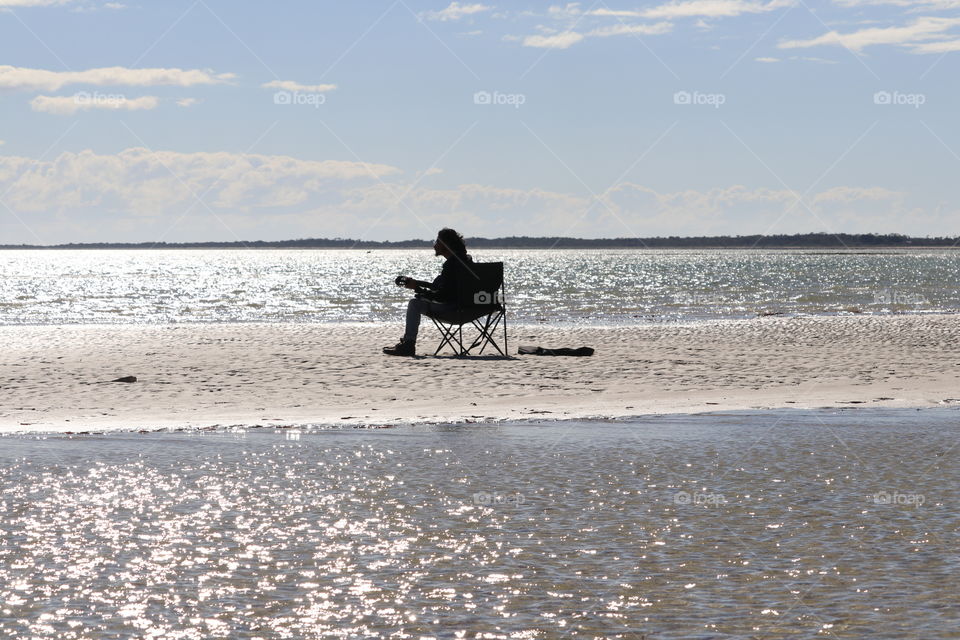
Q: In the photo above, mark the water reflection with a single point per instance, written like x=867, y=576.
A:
x=52, y=287
x=752, y=525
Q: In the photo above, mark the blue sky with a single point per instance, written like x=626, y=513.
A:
x=215, y=120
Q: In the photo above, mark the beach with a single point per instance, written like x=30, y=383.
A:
x=57, y=378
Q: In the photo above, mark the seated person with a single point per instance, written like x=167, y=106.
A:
x=433, y=298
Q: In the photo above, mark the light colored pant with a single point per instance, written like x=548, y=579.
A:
x=416, y=308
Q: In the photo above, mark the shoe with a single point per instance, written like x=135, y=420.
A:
x=403, y=348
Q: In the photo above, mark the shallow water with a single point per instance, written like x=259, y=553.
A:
x=766, y=525
x=559, y=286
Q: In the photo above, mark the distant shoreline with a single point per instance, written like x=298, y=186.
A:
x=809, y=241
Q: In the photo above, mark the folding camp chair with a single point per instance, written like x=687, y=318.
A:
x=480, y=301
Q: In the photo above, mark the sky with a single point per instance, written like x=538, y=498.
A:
x=216, y=120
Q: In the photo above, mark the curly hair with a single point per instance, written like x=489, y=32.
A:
x=452, y=240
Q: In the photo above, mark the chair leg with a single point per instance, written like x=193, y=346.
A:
x=486, y=331
x=447, y=336
x=452, y=335
x=482, y=332
x=490, y=339
x=503, y=312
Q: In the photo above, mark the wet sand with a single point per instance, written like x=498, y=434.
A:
x=56, y=377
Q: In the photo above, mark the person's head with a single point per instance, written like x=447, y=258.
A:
x=449, y=243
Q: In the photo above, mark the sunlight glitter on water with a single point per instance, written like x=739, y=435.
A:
x=757, y=525
x=559, y=286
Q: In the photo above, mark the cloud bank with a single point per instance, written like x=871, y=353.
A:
x=69, y=105
x=137, y=195
x=45, y=80
x=456, y=11
x=915, y=36
x=291, y=85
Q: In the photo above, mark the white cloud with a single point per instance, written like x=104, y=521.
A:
x=627, y=210
x=632, y=29
x=92, y=8
x=32, y=3
x=813, y=59
x=42, y=79
x=566, y=39
x=456, y=11
x=142, y=183
x=556, y=41
x=284, y=197
x=68, y=105
x=911, y=35
x=738, y=209
x=570, y=11
x=769, y=59
x=856, y=194
x=936, y=47
x=696, y=8
x=290, y=85
x=915, y=5
x=187, y=102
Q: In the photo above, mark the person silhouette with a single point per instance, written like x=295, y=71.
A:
x=433, y=298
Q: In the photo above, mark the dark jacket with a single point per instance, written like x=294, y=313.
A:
x=444, y=287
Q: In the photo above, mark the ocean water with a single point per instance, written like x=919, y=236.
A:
x=554, y=287
x=747, y=525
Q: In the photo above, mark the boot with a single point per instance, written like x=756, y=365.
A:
x=403, y=348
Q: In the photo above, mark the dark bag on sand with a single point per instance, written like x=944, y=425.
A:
x=540, y=351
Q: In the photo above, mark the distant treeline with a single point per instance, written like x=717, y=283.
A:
x=796, y=241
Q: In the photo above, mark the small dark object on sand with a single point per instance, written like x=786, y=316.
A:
x=126, y=379
x=540, y=351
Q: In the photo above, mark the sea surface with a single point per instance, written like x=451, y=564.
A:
x=552, y=287
x=833, y=524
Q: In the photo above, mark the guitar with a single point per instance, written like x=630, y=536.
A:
x=404, y=281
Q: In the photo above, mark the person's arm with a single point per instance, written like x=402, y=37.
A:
x=428, y=289
x=443, y=288
x=411, y=283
